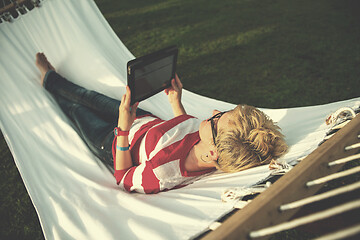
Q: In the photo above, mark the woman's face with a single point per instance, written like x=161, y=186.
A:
x=205, y=130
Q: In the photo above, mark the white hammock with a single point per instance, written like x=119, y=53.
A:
x=75, y=195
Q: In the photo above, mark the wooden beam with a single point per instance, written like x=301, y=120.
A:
x=12, y=6
x=264, y=211
x=7, y=8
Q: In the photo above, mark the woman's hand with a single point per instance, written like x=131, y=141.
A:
x=127, y=113
x=174, y=94
x=175, y=91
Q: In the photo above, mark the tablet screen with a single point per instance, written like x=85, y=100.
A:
x=153, y=77
x=152, y=73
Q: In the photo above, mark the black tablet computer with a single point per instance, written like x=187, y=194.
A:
x=152, y=73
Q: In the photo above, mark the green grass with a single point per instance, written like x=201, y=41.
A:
x=264, y=53
x=269, y=53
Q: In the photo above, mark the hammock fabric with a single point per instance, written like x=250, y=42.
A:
x=75, y=195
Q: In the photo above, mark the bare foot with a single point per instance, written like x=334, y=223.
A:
x=43, y=65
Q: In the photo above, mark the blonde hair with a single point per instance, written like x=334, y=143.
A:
x=251, y=139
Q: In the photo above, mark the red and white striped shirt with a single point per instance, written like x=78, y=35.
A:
x=158, y=150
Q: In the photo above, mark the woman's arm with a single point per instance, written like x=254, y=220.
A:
x=127, y=116
x=174, y=95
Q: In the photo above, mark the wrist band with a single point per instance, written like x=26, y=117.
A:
x=118, y=132
x=123, y=148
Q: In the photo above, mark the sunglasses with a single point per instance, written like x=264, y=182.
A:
x=213, y=124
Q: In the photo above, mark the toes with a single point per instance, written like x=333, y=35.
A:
x=43, y=63
x=38, y=55
x=41, y=58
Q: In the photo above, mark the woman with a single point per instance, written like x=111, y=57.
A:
x=150, y=155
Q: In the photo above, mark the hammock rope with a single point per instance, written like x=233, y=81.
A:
x=305, y=220
x=333, y=177
x=351, y=147
x=344, y=160
x=319, y=197
x=341, y=234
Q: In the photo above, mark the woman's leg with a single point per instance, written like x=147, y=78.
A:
x=96, y=132
x=103, y=105
x=85, y=109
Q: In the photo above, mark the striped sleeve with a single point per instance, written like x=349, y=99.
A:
x=158, y=155
x=124, y=177
x=138, y=179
